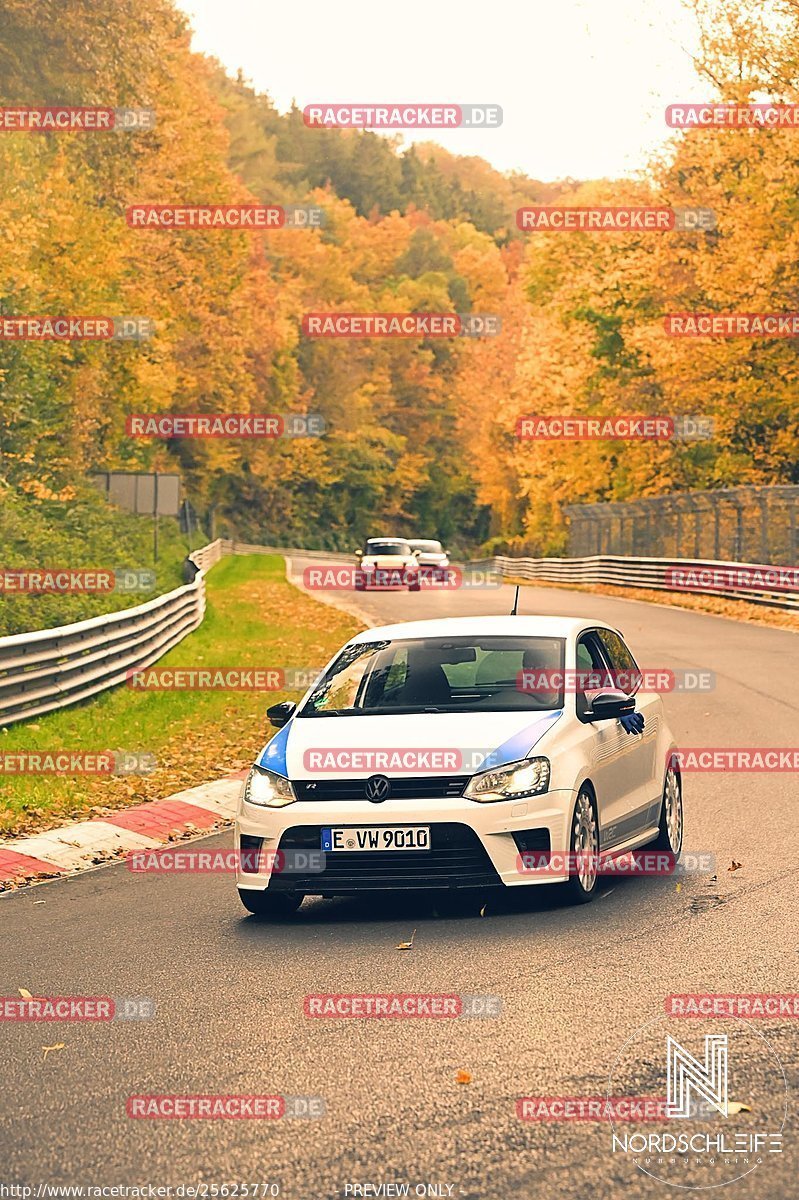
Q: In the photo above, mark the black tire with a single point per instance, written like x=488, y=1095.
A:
x=670, y=829
x=275, y=904
x=581, y=889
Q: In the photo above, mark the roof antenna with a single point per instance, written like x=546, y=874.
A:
x=514, y=612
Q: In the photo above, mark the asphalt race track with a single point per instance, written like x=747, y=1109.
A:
x=575, y=983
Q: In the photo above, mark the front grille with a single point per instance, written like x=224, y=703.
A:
x=425, y=787
x=456, y=859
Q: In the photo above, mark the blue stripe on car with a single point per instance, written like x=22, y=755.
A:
x=520, y=745
x=273, y=755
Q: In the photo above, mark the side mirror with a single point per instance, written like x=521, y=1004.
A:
x=416, y=553
x=280, y=714
x=358, y=553
x=609, y=704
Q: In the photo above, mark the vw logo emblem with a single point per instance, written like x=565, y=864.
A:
x=377, y=788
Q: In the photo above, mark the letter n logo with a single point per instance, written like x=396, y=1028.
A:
x=686, y=1074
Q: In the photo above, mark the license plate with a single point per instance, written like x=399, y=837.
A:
x=377, y=837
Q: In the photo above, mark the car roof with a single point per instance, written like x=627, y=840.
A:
x=527, y=626
x=401, y=541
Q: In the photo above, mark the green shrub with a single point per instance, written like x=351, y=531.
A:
x=86, y=532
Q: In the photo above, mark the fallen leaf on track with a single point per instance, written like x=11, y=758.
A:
x=463, y=1077
x=25, y=994
x=407, y=945
x=734, y=1107
x=57, y=1046
x=734, y=866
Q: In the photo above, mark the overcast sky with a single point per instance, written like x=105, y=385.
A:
x=583, y=83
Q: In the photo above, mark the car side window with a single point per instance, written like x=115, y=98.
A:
x=590, y=659
x=627, y=676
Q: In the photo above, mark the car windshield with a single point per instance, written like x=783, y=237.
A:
x=427, y=547
x=458, y=674
x=387, y=548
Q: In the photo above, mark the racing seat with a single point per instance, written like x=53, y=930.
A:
x=536, y=659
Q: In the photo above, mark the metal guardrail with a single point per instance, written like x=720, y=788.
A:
x=291, y=551
x=622, y=571
x=53, y=668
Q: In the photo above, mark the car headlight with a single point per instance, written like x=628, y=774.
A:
x=268, y=789
x=529, y=777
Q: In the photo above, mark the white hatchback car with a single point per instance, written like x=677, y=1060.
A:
x=430, y=554
x=435, y=754
x=387, y=563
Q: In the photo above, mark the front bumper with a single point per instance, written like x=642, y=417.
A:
x=472, y=844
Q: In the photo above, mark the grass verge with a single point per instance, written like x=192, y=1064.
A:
x=255, y=618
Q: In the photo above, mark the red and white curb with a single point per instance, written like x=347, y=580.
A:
x=85, y=844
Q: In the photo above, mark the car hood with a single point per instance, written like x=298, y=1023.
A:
x=331, y=747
